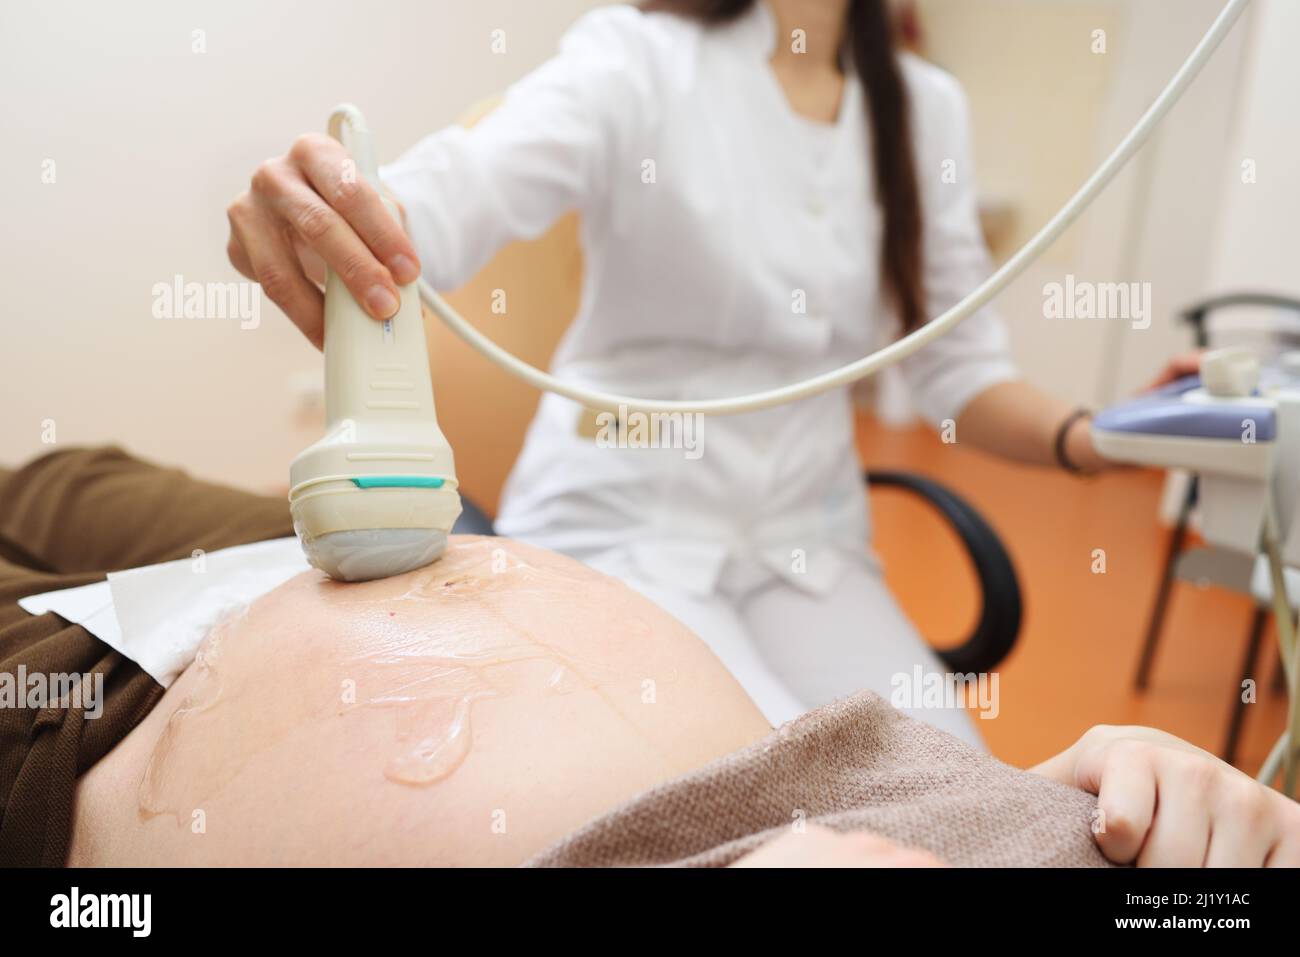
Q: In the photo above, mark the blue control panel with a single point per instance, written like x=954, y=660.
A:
x=1166, y=411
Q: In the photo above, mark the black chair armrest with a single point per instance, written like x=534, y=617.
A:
x=1000, y=615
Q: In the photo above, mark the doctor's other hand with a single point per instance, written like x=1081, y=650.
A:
x=1188, y=363
x=308, y=208
x=1078, y=441
x=1165, y=803
x=817, y=846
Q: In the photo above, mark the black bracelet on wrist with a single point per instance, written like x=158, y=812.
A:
x=1063, y=430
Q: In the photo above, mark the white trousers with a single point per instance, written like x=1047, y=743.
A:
x=793, y=651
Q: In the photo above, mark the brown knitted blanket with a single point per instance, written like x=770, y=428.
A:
x=858, y=764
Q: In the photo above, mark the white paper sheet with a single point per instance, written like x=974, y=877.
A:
x=90, y=606
x=157, y=615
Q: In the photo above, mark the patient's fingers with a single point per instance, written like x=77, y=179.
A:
x=1180, y=834
x=1167, y=803
x=1121, y=776
x=1241, y=832
x=1286, y=852
x=271, y=260
x=333, y=175
x=1283, y=818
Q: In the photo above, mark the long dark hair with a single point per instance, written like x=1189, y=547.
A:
x=869, y=48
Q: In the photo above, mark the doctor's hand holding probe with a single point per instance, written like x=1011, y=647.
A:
x=754, y=211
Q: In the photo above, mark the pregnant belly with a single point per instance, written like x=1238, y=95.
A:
x=468, y=713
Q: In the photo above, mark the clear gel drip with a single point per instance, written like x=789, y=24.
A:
x=429, y=646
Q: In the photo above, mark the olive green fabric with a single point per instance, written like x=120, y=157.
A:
x=66, y=519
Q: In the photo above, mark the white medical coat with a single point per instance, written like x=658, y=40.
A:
x=730, y=245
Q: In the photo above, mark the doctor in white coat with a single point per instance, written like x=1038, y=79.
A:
x=767, y=190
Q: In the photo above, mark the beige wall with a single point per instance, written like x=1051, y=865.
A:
x=1036, y=93
x=151, y=141
x=1047, y=110
x=1160, y=224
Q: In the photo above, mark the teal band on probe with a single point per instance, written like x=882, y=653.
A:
x=398, y=481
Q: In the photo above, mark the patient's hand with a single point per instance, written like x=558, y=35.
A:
x=821, y=847
x=1166, y=803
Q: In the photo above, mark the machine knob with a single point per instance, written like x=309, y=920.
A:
x=1230, y=373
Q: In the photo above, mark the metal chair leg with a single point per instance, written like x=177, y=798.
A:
x=1156, y=623
x=1247, y=667
x=1279, y=676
